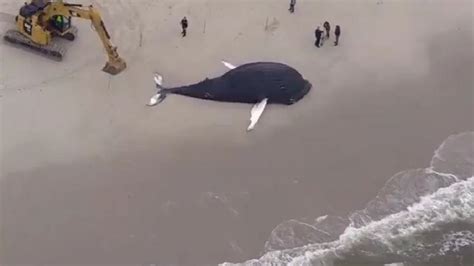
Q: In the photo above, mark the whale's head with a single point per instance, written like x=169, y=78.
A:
x=292, y=94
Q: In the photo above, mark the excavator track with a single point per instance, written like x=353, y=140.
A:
x=54, y=50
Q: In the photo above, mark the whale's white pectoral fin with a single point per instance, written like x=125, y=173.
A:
x=228, y=65
x=257, y=111
x=154, y=100
x=158, y=79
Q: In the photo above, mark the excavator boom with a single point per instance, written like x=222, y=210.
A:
x=115, y=63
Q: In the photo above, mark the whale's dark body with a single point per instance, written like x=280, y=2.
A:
x=250, y=83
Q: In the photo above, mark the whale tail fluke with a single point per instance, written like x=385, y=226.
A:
x=156, y=99
x=161, y=91
x=158, y=79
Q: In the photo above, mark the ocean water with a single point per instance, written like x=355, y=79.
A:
x=420, y=217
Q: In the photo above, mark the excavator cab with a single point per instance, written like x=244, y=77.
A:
x=61, y=26
x=60, y=23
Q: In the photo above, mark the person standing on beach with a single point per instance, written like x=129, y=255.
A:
x=337, y=32
x=292, y=6
x=327, y=27
x=318, y=33
x=184, y=26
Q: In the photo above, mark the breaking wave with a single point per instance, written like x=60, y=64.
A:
x=420, y=216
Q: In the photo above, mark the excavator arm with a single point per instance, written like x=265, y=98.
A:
x=115, y=63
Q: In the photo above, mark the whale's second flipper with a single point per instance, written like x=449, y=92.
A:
x=257, y=111
x=228, y=65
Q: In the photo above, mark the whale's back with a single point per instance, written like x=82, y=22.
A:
x=278, y=82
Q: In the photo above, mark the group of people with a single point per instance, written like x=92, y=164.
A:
x=321, y=37
x=319, y=34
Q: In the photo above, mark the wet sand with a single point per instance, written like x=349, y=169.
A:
x=90, y=175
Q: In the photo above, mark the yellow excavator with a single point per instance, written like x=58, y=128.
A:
x=40, y=22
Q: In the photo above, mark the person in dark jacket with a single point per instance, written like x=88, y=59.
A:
x=327, y=27
x=337, y=32
x=318, y=33
x=184, y=26
x=292, y=6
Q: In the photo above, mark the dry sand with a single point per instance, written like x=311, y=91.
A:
x=90, y=175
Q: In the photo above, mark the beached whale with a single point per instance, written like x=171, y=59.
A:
x=259, y=83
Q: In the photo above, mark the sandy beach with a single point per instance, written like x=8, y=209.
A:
x=90, y=175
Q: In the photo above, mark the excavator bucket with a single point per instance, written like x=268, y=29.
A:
x=114, y=67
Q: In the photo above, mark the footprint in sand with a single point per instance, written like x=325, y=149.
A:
x=272, y=26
